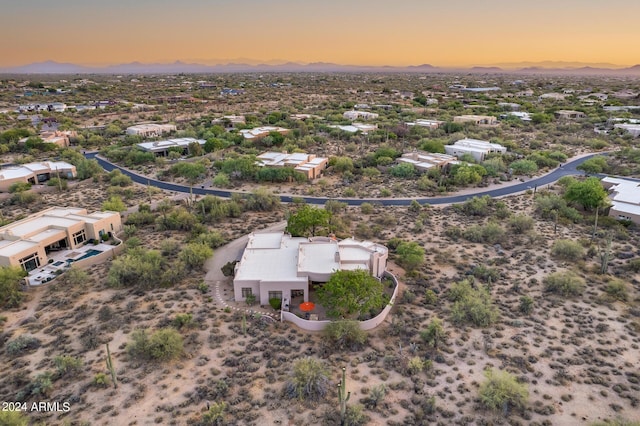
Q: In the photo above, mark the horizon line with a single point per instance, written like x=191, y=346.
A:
x=279, y=62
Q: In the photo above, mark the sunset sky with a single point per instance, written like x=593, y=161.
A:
x=367, y=32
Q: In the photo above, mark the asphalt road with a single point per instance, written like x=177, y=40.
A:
x=565, y=170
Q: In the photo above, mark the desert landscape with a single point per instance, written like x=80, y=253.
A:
x=518, y=309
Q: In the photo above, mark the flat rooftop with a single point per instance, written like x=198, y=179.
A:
x=318, y=257
x=261, y=262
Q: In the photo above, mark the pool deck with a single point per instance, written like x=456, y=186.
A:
x=61, y=259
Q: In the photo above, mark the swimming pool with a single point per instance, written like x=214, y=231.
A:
x=88, y=253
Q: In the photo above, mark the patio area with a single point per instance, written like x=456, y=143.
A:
x=59, y=261
x=317, y=313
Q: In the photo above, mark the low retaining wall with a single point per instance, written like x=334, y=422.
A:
x=100, y=257
x=367, y=325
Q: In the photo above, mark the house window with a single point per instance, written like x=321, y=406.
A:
x=79, y=237
x=275, y=295
x=30, y=263
x=246, y=291
x=112, y=226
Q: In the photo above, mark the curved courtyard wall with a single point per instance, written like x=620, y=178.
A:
x=367, y=325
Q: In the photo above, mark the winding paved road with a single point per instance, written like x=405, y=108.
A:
x=569, y=168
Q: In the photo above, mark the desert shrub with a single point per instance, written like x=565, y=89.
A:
x=430, y=297
x=19, y=187
x=376, y=395
x=13, y=418
x=59, y=183
x=521, y=223
x=415, y=365
x=472, y=306
x=11, y=278
x=261, y=200
x=617, y=290
x=42, y=384
x=354, y=416
x=491, y=233
x=486, y=274
x=212, y=239
x=501, y=391
x=116, y=178
x=476, y=206
x=66, y=364
x=366, y=208
x=565, y=283
x=141, y=218
x=434, y=335
x=567, y=250
x=163, y=345
x=453, y=232
x=634, y=265
x=74, y=276
x=136, y=267
x=24, y=198
x=221, y=180
x=526, y=305
x=275, y=303
x=22, y=344
x=215, y=414
x=308, y=380
x=183, y=321
x=616, y=422
x=100, y=380
x=346, y=335
x=550, y=205
x=250, y=299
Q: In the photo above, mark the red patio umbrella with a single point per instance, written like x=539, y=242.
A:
x=307, y=306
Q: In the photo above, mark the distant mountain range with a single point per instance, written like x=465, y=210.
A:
x=52, y=67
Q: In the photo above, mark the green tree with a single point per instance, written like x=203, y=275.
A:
x=307, y=220
x=589, y=193
x=501, y=391
x=342, y=164
x=86, y=169
x=524, y=167
x=351, y=292
x=10, y=279
x=309, y=380
x=467, y=174
x=431, y=145
x=594, y=165
x=410, y=255
x=434, y=335
x=114, y=203
x=136, y=267
x=403, y=170
x=194, y=255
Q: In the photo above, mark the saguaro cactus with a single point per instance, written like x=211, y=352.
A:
x=343, y=396
x=112, y=370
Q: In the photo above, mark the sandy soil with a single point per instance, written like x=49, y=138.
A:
x=580, y=356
